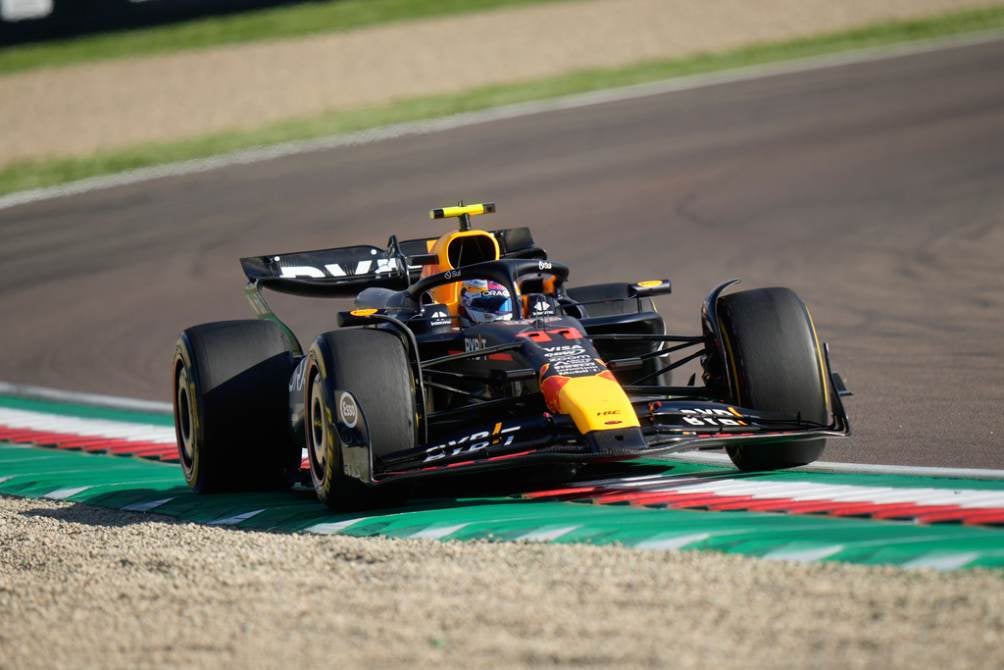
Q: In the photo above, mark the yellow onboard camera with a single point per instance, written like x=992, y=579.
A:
x=463, y=212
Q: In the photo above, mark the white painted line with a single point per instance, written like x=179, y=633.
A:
x=942, y=561
x=760, y=489
x=576, y=101
x=86, y=427
x=672, y=542
x=547, y=534
x=437, y=533
x=804, y=555
x=638, y=482
x=907, y=470
x=768, y=489
x=854, y=468
x=94, y=399
x=236, y=519
x=63, y=494
x=333, y=527
x=147, y=505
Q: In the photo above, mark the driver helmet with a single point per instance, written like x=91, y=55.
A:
x=483, y=301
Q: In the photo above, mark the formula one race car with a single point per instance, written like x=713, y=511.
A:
x=469, y=352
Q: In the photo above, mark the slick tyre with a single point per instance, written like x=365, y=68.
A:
x=231, y=411
x=773, y=357
x=373, y=366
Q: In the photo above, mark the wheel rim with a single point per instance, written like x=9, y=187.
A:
x=316, y=432
x=185, y=419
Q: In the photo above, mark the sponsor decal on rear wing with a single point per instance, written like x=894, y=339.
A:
x=342, y=271
x=336, y=263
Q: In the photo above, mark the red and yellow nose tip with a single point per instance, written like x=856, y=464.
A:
x=595, y=402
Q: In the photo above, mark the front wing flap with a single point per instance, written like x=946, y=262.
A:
x=668, y=426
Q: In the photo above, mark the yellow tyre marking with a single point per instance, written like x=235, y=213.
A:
x=823, y=372
x=732, y=360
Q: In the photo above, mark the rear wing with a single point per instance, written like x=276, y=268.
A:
x=339, y=272
x=343, y=272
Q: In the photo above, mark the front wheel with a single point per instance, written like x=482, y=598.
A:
x=775, y=364
x=371, y=365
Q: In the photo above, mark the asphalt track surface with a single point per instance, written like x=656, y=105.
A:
x=874, y=190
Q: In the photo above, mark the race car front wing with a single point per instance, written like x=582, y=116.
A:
x=668, y=426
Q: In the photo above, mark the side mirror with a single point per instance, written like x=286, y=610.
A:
x=646, y=289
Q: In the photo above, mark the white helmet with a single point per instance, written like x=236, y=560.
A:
x=483, y=301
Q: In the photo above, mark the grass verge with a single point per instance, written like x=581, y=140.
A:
x=275, y=23
x=41, y=173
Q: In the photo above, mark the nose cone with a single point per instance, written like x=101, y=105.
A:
x=594, y=402
x=620, y=442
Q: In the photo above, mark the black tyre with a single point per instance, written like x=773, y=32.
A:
x=373, y=366
x=604, y=300
x=774, y=361
x=231, y=407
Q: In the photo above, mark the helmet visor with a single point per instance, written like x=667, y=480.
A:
x=491, y=304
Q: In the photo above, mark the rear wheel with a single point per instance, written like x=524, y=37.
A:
x=231, y=407
x=372, y=365
x=775, y=364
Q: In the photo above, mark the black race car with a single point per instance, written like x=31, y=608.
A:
x=413, y=384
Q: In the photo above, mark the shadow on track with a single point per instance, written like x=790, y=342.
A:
x=298, y=509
